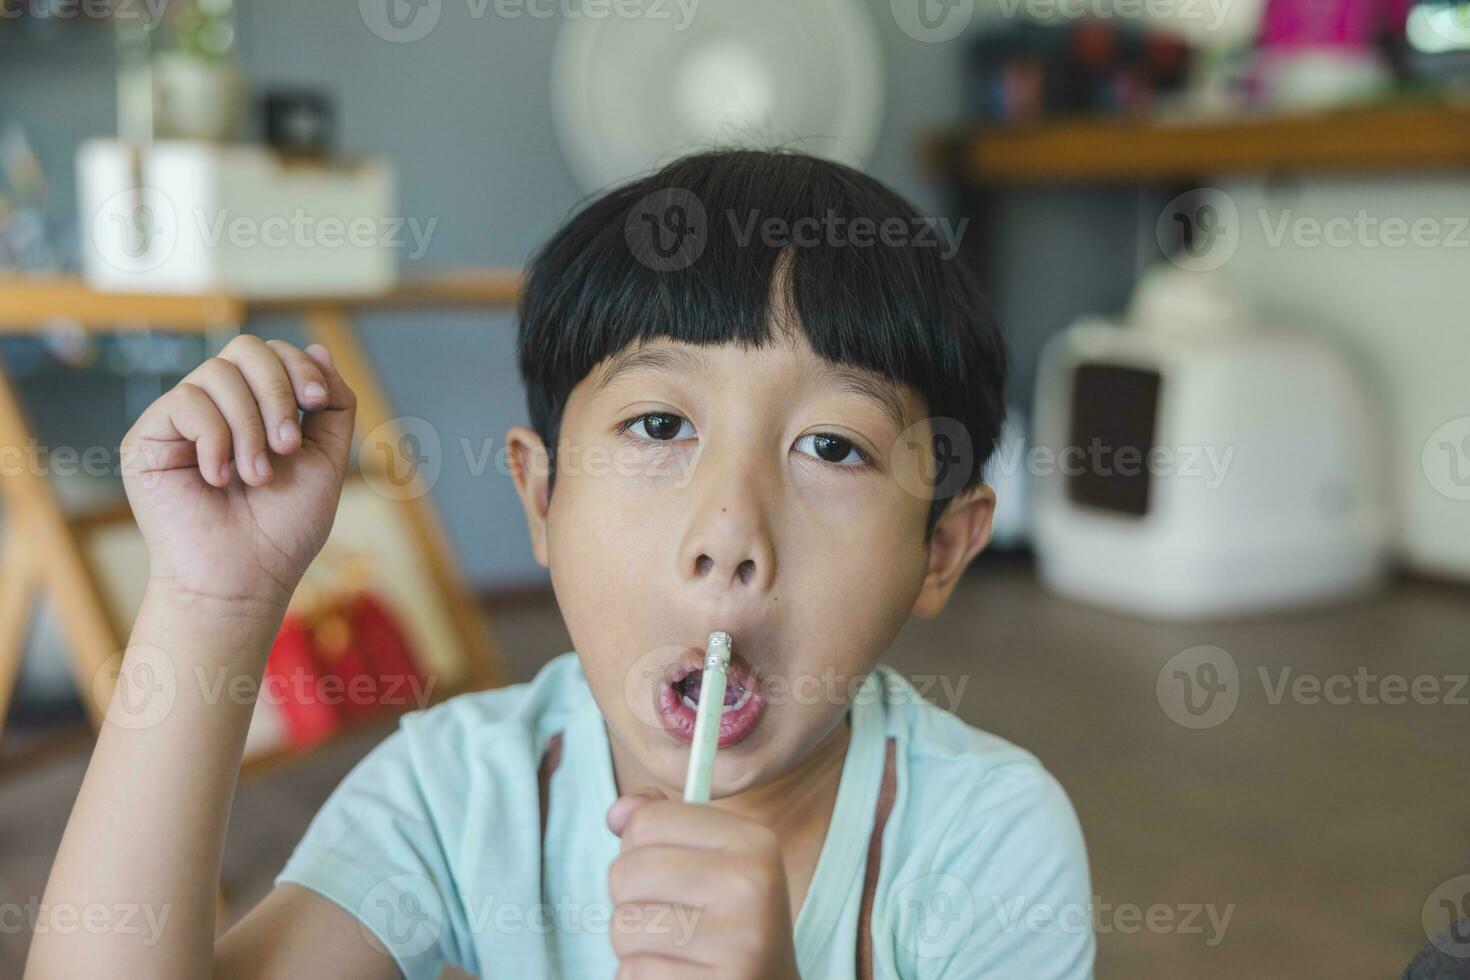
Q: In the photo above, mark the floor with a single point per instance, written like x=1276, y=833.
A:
x=1320, y=826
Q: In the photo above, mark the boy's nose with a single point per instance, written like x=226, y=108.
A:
x=744, y=571
x=728, y=552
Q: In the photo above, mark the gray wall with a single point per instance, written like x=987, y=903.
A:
x=465, y=112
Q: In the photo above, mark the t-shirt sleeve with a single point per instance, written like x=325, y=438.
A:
x=375, y=850
x=1010, y=892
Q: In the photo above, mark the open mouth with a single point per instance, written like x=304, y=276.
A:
x=688, y=688
x=677, y=700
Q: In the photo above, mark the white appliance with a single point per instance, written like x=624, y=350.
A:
x=180, y=216
x=1396, y=302
x=630, y=93
x=1194, y=464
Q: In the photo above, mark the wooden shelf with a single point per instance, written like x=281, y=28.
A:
x=1406, y=137
x=29, y=304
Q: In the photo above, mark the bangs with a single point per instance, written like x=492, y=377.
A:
x=712, y=248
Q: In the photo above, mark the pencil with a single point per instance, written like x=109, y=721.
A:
x=707, y=718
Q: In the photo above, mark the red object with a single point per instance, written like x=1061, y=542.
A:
x=386, y=648
x=291, y=685
x=317, y=667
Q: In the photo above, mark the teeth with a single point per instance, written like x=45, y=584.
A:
x=739, y=702
x=693, y=704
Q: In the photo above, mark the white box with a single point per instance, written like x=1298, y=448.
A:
x=188, y=217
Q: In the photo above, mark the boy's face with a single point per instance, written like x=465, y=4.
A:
x=760, y=492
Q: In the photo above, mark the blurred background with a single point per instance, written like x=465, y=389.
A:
x=1228, y=242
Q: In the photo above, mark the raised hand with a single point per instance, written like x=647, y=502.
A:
x=234, y=495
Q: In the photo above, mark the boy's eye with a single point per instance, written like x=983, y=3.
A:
x=831, y=449
x=659, y=426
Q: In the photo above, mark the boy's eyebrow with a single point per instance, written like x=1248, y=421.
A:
x=865, y=385
x=650, y=359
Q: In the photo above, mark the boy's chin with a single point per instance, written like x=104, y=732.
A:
x=737, y=768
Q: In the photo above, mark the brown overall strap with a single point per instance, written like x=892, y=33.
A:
x=887, y=790
x=550, y=759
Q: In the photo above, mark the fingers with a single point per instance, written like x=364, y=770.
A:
x=648, y=966
x=307, y=380
x=623, y=807
x=664, y=873
x=689, y=825
x=193, y=416
x=256, y=390
x=222, y=381
x=259, y=365
x=329, y=425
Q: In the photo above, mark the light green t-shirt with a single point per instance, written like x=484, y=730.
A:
x=434, y=843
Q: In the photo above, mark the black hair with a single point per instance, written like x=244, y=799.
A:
x=688, y=253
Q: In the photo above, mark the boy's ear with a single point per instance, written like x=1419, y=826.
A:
x=530, y=469
x=962, y=532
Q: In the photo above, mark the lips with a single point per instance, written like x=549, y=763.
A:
x=677, y=699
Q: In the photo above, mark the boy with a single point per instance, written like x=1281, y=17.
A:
x=760, y=402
